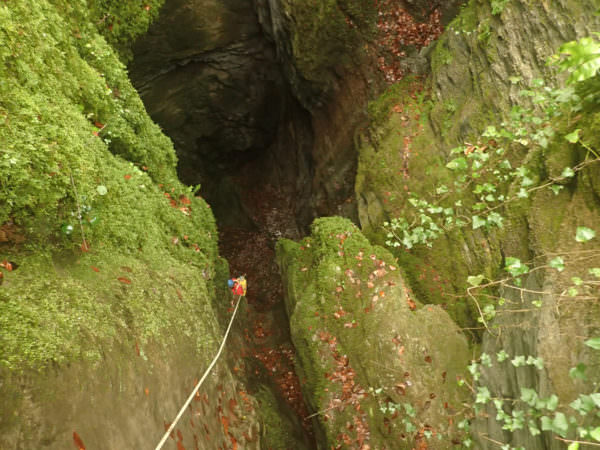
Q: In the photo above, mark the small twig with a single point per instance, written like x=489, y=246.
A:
x=479, y=309
x=79, y=216
x=324, y=411
x=569, y=441
x=501, y=444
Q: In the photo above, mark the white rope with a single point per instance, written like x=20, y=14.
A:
x=189, y=400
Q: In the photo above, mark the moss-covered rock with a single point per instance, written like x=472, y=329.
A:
x=317, y=40
x=371, y=355
x=476, y=67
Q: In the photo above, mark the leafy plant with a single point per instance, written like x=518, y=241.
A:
x=498, y=6
x=581, y=59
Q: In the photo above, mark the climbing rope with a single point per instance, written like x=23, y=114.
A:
x=189, y=400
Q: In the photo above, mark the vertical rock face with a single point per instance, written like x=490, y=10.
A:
x=209, y=78
x=261, y=92
x=476, y=67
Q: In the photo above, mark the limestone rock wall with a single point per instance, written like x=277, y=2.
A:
x=415, y=125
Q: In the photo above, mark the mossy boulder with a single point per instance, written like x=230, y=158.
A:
x=371, y=355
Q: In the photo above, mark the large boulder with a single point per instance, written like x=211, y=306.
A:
x=379, y=368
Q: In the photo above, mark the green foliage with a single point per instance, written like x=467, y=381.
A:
x=485, y=169
x=580, y=58
x=498, y=6
x=584, y=234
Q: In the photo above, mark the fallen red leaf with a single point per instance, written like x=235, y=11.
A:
x=124, y=280
x=127, y=177
x=78, y=441
x=225, y=422
x=95, y=269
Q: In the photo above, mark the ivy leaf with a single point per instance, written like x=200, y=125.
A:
x=529, y=396
x=556, y=188
x=475, y=280
x=558, y=263
x=552, y=402
x=578, y=372
x=496, y=219
x=573, y=446
x=518, y=361
x=101, y=190
x=478, y=222
x=595, y=271
x=584, y=234
x=573, y=137
x=560, y=425
x=490, y=132
x=458, y=164
x=526, y=181
x=483, y=395
x=567, y=173
x=593, y=343
x=501, y=355
x=595, y=433
x=515, y=267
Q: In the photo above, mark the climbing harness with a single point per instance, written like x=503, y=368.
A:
x=189, y=400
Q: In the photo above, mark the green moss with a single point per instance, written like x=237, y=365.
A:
x=279, y=430
x=327, y=33
x=87, y=179
x=347, y=297
x=121, y=22
x=467, y=19
x=441, y=55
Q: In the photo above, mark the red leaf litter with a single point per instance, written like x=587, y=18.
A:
x=251, y=252
x=397, y=32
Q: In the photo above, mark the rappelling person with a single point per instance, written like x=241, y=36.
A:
x=238, y=285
